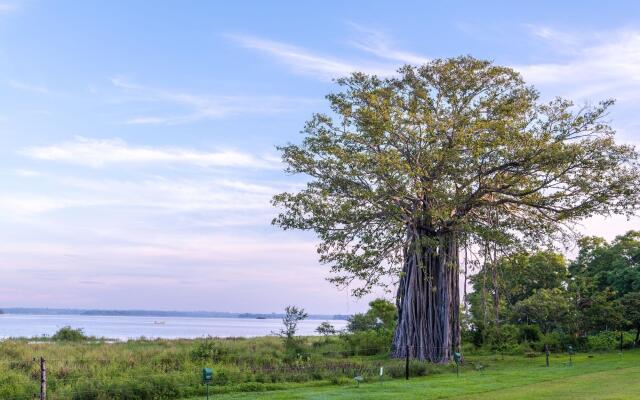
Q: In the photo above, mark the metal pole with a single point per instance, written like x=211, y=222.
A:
x=406, y=365
x=207, y=390
x=546, y=352
x=43, y=379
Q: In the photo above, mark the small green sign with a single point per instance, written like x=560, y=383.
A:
x=207, y=375
x=570, y=349
x=457, y=357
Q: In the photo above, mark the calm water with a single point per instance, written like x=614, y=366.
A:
x=12, y=325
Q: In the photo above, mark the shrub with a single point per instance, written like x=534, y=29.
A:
x=367, y=343
x=530, y=333
x=207, y=350
x=503, y=339
x=69, y=334
x=15, y=386
x=609, y=340
x=557, y=342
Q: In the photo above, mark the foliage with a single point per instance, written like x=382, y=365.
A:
x=555, y=307
x=382, y=314
x=614, y=266
x=502, y=338
x=600, y=312
x=369, y=342
x=69, y=334
x=292, y=316
x=530, y=333
x=519, y=276
x=326, y=329
x=443, y=143
x=361, y=322
x=609, y=340
x=15, y=385
x=550, y=309
x=631, y=308
x=207, y=350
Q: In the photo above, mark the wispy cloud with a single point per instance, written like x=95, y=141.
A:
x=603, y=64
x=14, y=204
x=28, y=87
x=554, y=36
x=379, y=44
x=387, y=55
x=200, y=107
x=226, y=202
x=100, y=152
x=304, y=61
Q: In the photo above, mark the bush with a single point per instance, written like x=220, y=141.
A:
x=610, y=340
x=558, y=342
x=207, y=350
x=530, y=333
x=416, y=368
x=15, y=386
x=69, y=334
x=368, y=343
x=503, y=339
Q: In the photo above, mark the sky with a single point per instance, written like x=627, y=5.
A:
x=138, y=139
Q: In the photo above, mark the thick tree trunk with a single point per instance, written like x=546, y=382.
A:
x=429, y=300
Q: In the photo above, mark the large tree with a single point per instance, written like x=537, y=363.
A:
x=405, y=169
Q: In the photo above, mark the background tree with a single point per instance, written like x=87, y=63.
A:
x=519, y=275
x=384, y=312
x=631, y=309
x=599, y=311
x=406, y=168
x=550, y=309
x=326, y=329
x=381, y=315
x=615, y=265
x=292, y=316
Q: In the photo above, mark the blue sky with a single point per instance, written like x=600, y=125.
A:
x=137, y=139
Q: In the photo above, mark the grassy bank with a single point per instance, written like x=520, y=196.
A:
x=264, y=368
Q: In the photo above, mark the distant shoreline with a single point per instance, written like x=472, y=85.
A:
x=156, y=313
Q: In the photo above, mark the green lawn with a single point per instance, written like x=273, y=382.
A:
x=603, y=376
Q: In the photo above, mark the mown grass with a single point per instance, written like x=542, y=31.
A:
x=601, y=376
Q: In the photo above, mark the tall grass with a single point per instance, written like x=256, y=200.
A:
x=170, y=369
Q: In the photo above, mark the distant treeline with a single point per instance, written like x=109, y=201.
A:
x=155, y=313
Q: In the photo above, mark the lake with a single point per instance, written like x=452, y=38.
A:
x=131, y=327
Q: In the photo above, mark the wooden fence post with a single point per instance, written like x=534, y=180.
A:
x=43, y=379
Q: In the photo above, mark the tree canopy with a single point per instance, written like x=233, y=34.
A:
x=460, y=143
